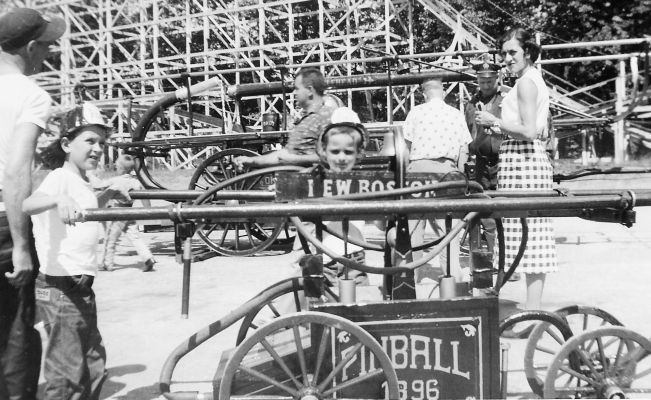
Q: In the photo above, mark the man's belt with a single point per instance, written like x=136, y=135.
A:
x=66, y=283
x=441, y=160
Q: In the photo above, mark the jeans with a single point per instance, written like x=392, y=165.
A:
x=20, y=343
x=75, y=357
x=114, y=230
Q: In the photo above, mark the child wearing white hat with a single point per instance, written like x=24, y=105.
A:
x=67, y=252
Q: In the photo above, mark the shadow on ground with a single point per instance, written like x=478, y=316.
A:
x=150, y=392
x=162, y=247
x=111, y=386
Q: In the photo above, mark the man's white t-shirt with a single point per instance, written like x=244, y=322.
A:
x=65, y=250
x=21, y=101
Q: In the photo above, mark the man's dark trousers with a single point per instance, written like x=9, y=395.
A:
x=20, y=343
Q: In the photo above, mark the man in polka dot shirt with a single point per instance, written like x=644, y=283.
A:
x=437, y=138
x=436, y=132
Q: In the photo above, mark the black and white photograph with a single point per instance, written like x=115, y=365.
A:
x=325, y=199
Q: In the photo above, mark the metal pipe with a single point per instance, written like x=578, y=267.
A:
x=348, y=82
x=504, y=368
x=224, y=71
x=561, y=192
x=264, y=195
x=615, y=42
x=589, y=58
x=187, y=265
x=540, y=207
x=207, y=140
x=188, y=195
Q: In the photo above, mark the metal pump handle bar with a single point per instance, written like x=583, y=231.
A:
x=564, y=206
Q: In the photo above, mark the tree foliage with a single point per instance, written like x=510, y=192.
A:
x=567, y=21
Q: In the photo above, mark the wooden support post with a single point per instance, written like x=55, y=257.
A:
x=618, y=127
x=584, y=147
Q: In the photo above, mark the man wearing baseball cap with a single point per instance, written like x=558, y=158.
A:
x=25, y=39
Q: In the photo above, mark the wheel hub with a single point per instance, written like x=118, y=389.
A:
x=612, y=391
x=309, y=393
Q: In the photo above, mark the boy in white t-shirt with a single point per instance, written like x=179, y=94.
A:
x=75, y=356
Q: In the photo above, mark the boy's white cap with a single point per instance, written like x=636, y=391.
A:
x=85, y=115
x=344, y=114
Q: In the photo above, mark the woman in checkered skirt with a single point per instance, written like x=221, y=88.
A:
x=523, y=162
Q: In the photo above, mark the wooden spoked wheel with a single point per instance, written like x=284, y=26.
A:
x=610, y=362
x=309, y=356
x=545, y=341
x=289, y=301
x=514, y=330
x=154, y=158
x=240, y=238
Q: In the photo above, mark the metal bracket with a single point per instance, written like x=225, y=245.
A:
x=625, y=217
x=184, y=230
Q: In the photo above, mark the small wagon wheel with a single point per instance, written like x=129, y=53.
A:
x=291, y=357
x=556, y=325
x=545, y=340
x=243, y=238
x=613, y=362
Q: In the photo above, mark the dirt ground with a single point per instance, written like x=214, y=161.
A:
x=603, y=265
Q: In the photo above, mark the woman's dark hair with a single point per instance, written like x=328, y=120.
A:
x=526, y=40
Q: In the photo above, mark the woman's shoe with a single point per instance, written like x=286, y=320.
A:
x=515, y=277
x=149, y=265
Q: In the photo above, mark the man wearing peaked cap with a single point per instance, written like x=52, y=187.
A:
x=25, y=39
x=21, y=25
x=486, y=69
x=486, y=140
x=485, y=145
